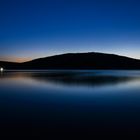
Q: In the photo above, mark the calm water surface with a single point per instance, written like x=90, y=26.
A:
x=70, y=101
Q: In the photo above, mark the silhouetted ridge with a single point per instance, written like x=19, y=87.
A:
x=80, y=61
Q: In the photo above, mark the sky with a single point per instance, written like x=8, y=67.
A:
x=38, y=28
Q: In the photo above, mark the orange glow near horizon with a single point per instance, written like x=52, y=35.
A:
x=16, y=59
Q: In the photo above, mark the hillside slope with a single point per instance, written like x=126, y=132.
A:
x=77, y=61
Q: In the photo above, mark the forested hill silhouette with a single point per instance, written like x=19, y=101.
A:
x=90, y=60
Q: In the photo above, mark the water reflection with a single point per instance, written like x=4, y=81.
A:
x=61, y=101
x=75, y=78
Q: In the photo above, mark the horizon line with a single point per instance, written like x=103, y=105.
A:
x=67, y=53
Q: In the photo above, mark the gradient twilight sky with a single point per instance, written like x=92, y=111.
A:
x=37, y=28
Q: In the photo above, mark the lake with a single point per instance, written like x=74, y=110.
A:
x=73, y=101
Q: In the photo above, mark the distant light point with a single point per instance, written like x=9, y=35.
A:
x=1, y=69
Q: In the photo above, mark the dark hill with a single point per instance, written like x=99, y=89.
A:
x=9, y=65
x=78, y=61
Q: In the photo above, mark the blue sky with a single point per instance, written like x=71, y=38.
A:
x=37, y=28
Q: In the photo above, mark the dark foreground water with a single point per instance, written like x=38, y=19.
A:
x=93, y=102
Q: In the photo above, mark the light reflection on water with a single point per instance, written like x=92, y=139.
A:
x=71, y=100
x=74, y=78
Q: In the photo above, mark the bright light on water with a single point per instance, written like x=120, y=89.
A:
x=1, y=69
